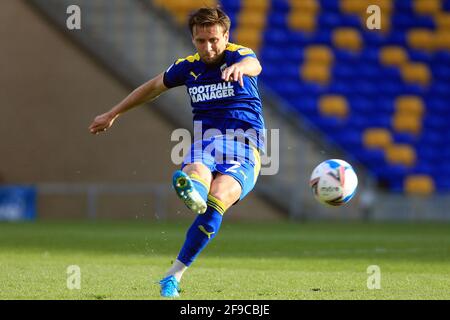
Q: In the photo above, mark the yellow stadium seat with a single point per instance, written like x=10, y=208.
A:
x=427, y=7
x=347, y=38
x=386, y=6
x=358, y=7
x=422, y=39
x=181, y=9
x=402, y=122
x=302, y=21
x=310, y=6
x=385, y=23
x=260, y=5
x=443, y=21
x=315, y=72
x=408, y=104
x=250, y=38
x=252, y=19
x=333, y=106
x=416, y=73
x=377, y=138
x=401, y=154
x=442, y=40
x=393, y=56
x=319, y=53
x=420, y=184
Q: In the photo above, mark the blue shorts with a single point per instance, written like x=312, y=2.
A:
x=234, y=158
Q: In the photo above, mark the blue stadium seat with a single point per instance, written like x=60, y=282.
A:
x=351, y=21
x=281, y=6
x=231, y=6
x=329, y=20
x=372, y=38
x=404, y=22
x=446, y=5
x=276, y=37
x=435, y=122
x=403, y=138
x=277, y=20
x=330, y=5
x=419, y=56
x=396, y=38
x=341, y=88
x=322, y=37
x=437, y=106
x=405, y=6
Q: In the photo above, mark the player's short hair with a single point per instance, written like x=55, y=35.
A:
x=205, y=17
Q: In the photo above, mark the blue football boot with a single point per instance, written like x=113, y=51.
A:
x=186, y=191
x=169, y=287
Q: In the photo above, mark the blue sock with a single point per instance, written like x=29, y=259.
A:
x=204, y=229
x=200, y=185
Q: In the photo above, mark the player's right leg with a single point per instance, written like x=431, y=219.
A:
x=192, y=186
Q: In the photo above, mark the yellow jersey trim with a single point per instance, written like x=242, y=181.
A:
x=193, y=58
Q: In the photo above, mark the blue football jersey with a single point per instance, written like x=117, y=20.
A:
x=219, y=104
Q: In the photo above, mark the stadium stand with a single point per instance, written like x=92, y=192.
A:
x=382, y=95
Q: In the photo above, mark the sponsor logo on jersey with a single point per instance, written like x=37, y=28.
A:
x=211, y=91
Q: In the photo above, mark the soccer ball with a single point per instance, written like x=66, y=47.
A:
x=333, y=182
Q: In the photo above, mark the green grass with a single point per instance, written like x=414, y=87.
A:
x=124, y=260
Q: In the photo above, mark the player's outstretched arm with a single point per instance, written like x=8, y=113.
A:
x=249, y=66
x=146, y=92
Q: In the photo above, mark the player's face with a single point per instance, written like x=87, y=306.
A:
x=210, y=42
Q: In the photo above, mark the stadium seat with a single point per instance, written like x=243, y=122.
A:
x=333, y=106
x=377, y=138
x=260, y=5
x=319, y=53
x=303, y=15
x=416, y=73
x=347, y=38
x=357, y=7
x=401, y=154
x=248, y=37
x=442, y=40
x=443, y=21
x=427, y=7
x=404, y=138
x=393, y=56
x=422, y=39
x=302, y=21
x=407, y=123
x=181, y=9
x=419, y=185
x=310, y=6
x=315, y=72
x=252, y=20
x=412, y=105
x=386, y=6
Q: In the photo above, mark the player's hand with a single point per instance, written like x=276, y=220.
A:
x=234, y=73
x=102, y=122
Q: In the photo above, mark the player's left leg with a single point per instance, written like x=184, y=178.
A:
x=225, y=191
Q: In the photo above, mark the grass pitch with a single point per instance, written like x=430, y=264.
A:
x=124, y=260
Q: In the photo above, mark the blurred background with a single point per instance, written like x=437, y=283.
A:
x=378, y=99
